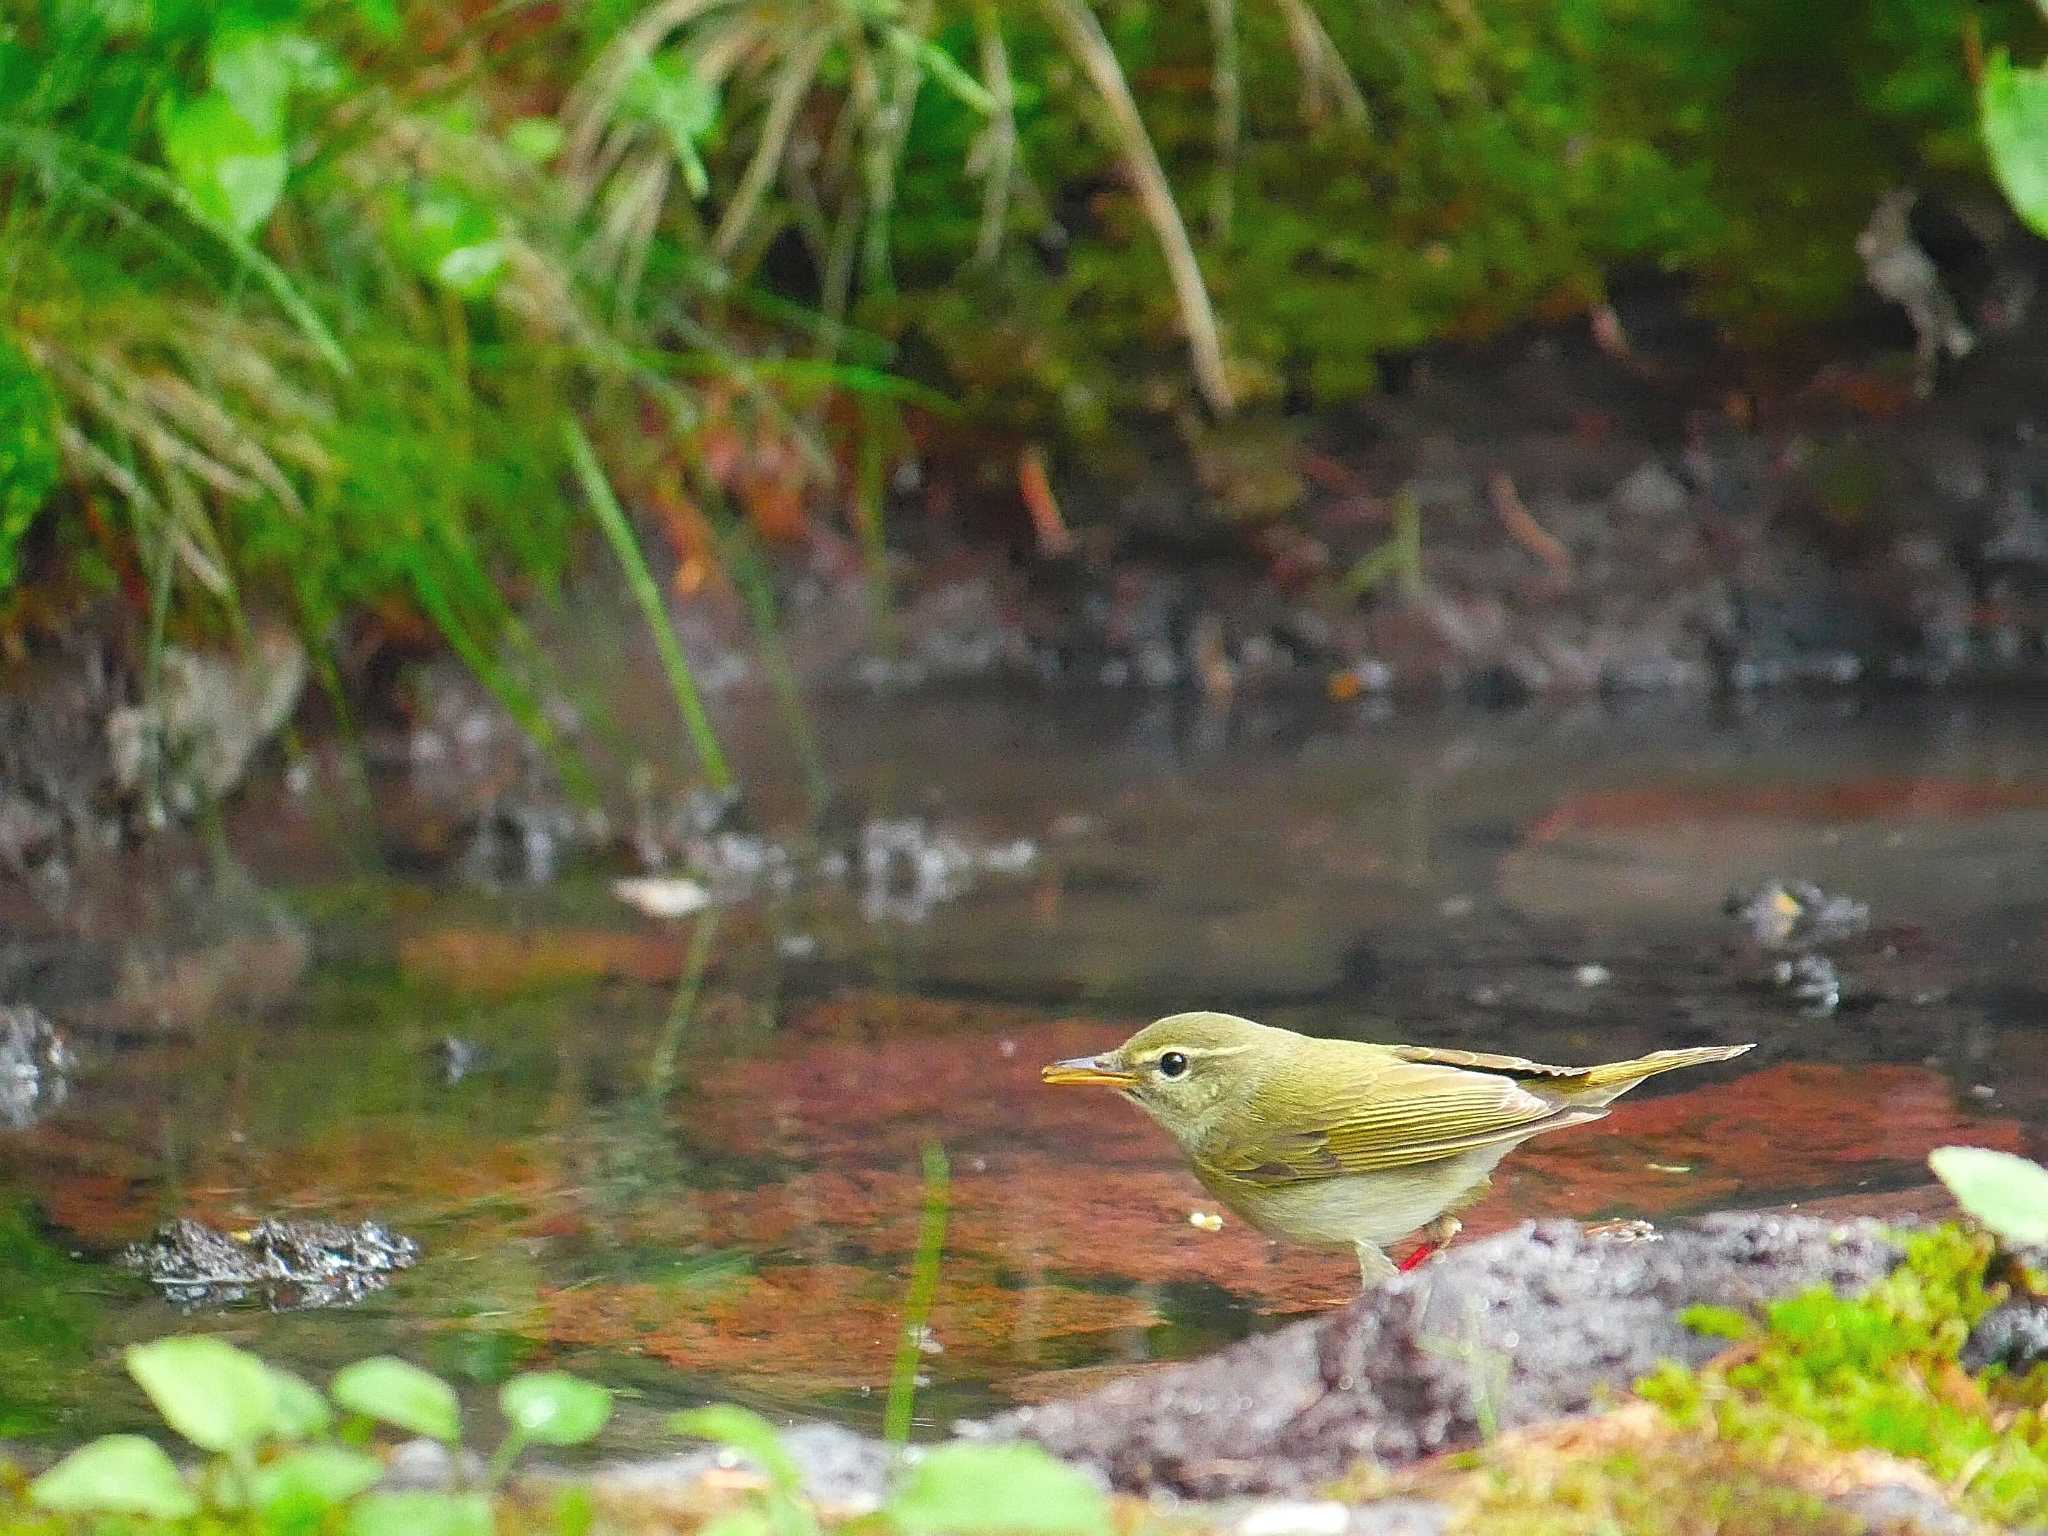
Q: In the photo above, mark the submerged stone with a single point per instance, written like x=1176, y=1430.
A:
x=286, y=1264
x=35, y=1067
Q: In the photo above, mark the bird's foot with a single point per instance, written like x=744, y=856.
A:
x=1421, y=1254
x=1436, y=1237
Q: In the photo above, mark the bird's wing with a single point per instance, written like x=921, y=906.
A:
x=1391, y=1113
x=1484, y=1061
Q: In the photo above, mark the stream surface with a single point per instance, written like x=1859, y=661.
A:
x=683, y=1156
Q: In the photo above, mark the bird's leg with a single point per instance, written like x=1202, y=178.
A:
x=1374, y=1267
x=1436, y=1237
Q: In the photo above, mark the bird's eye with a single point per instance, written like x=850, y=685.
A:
x=1173, y=1064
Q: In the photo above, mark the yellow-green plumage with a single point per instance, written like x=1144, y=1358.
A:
x=1341, y=1143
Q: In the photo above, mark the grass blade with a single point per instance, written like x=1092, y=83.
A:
x=597, y=490
x=917, y=1307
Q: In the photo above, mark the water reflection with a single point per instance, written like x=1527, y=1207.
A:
x=684, y=1155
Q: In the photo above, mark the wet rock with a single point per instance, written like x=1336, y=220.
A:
x=1652, y=491
x=457, y=1058
x=2015, y=1336
x=908, y=867
x=840, y=1469
x=191, y=744
x=428, y=1466
x=1905, y=1509
x=665, y=828
x=1326, y=1517
x=285, y=1264
x=1898, y=267
x=1532, y=1325
x=1811, y=980
x=35, y=1067
x=523, y=839
x=1796, y=914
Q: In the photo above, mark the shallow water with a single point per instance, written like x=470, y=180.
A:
x=686, y=1162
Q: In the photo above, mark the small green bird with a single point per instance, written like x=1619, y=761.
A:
x=1342, y=1144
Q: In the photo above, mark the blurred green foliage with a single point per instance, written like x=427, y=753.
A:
x=1514, y=158
x=296, y=294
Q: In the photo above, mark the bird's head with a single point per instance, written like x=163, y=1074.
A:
x=1177, y=1069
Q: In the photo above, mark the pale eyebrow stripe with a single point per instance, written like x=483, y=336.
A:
x=1207, y=1052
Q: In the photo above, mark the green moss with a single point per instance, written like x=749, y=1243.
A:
x=1881, y=1371
x=1655, y=1490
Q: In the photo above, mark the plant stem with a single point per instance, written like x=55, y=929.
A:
x=917, y=1307
x=1082, y=33
x=682, y=682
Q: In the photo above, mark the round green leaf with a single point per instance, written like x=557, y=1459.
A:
x=453, y=239
x=248, y=65
x=536, y=140
x=554, y=1408
x=118, y=1474
x=2007, y=1194
x=215, y=1395
x=420, y=1514
x=388, y=1389
x=301, y=1411
x=315, y=1478
x=2012, y=105
x=231, y=168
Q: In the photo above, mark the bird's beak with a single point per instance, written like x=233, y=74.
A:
x=1089, y=1071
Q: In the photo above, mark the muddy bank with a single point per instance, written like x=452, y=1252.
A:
x=1576, y=510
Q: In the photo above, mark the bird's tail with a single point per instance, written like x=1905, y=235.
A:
x=1601, y=1084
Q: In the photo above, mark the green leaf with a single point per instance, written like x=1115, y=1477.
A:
x=301, y=1411
x=744, y=1431
x=420, y=1514
x=554, y=1408
x=2008, y=1195
x=232, y=169
x=217, y=1396
x=667, y=93
x=2012, y=105
x=536, y=140
x=454, y=240
x=381, y=17
x=996, y=1490
x=117, y=1474
x=313, y=1479
x=394, y=1392
x=248, y=67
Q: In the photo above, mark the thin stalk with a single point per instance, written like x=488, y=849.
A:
x=1002, y=132
x=795, y=79
x=745, y=564
x=661, y=1071
x=1323, y=67
x=868, y=504
x=682, y=683
x=1229, y=116
x=917, y=1306
x=1082, y=34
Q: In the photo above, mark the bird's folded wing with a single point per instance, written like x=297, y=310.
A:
x=1396, y=1115
x=1484, y=1061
